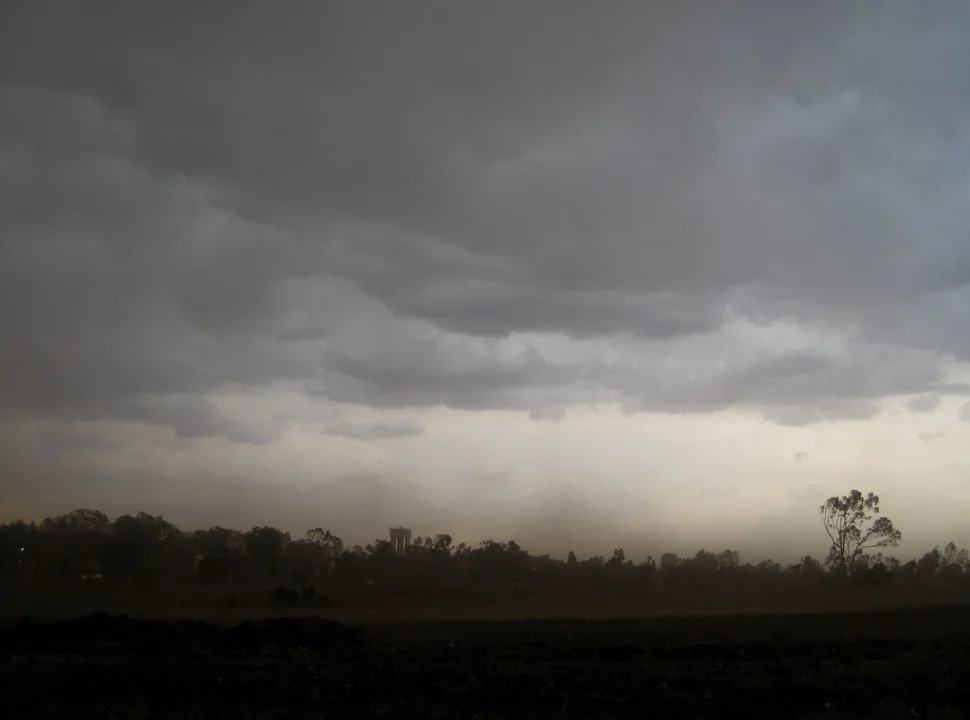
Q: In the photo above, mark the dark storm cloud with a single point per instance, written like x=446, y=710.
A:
x=794, y=388
x=372, y=198
x=807, y=413
x=378, y=430
x=194, y=417
x=487, y=295
x=923, y=403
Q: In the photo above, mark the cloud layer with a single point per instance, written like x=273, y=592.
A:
x=378, y=430
x=923, y=403
x=481, y=207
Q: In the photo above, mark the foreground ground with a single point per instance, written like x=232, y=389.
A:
x=899, y=664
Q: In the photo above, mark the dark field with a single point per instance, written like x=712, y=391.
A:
x=893, y=664
x=58, y=600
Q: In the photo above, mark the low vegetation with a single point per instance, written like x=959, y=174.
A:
x=146, y=549
x=893, y=664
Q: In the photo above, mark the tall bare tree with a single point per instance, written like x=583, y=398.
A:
x=853, y=528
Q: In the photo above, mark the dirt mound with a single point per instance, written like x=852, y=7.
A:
x=104, y=634
x=286, y=597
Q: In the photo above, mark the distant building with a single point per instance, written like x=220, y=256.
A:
x=400, y=539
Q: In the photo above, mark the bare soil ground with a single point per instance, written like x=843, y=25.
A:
x=59, y=600
x=898, y=664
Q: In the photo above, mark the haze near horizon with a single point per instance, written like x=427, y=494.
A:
x=658, y=276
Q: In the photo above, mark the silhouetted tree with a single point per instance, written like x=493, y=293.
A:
x=76, y=541
x=442, y=543
x=846, y=521
x=728, y=560
x=78, y=521
x=954, y=561
x=139, y=545
x=619, y=557
x=144, y=547
x=214, y=541
x=809, y=567
x=265, y=545
x=326, y=539
x=928, y=565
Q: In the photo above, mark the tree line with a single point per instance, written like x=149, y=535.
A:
x=143, y=548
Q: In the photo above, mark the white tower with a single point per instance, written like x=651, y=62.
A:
x=400, y=539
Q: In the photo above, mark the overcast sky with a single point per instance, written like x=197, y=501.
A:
x=658, y=275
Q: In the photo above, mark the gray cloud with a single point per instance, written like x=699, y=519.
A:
x=923, y=403
x=378, y=430
x=797, y=387
x=931, y=436
x=801, y=456
x=965, y=413
x=831, y=411
x=178, y=224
